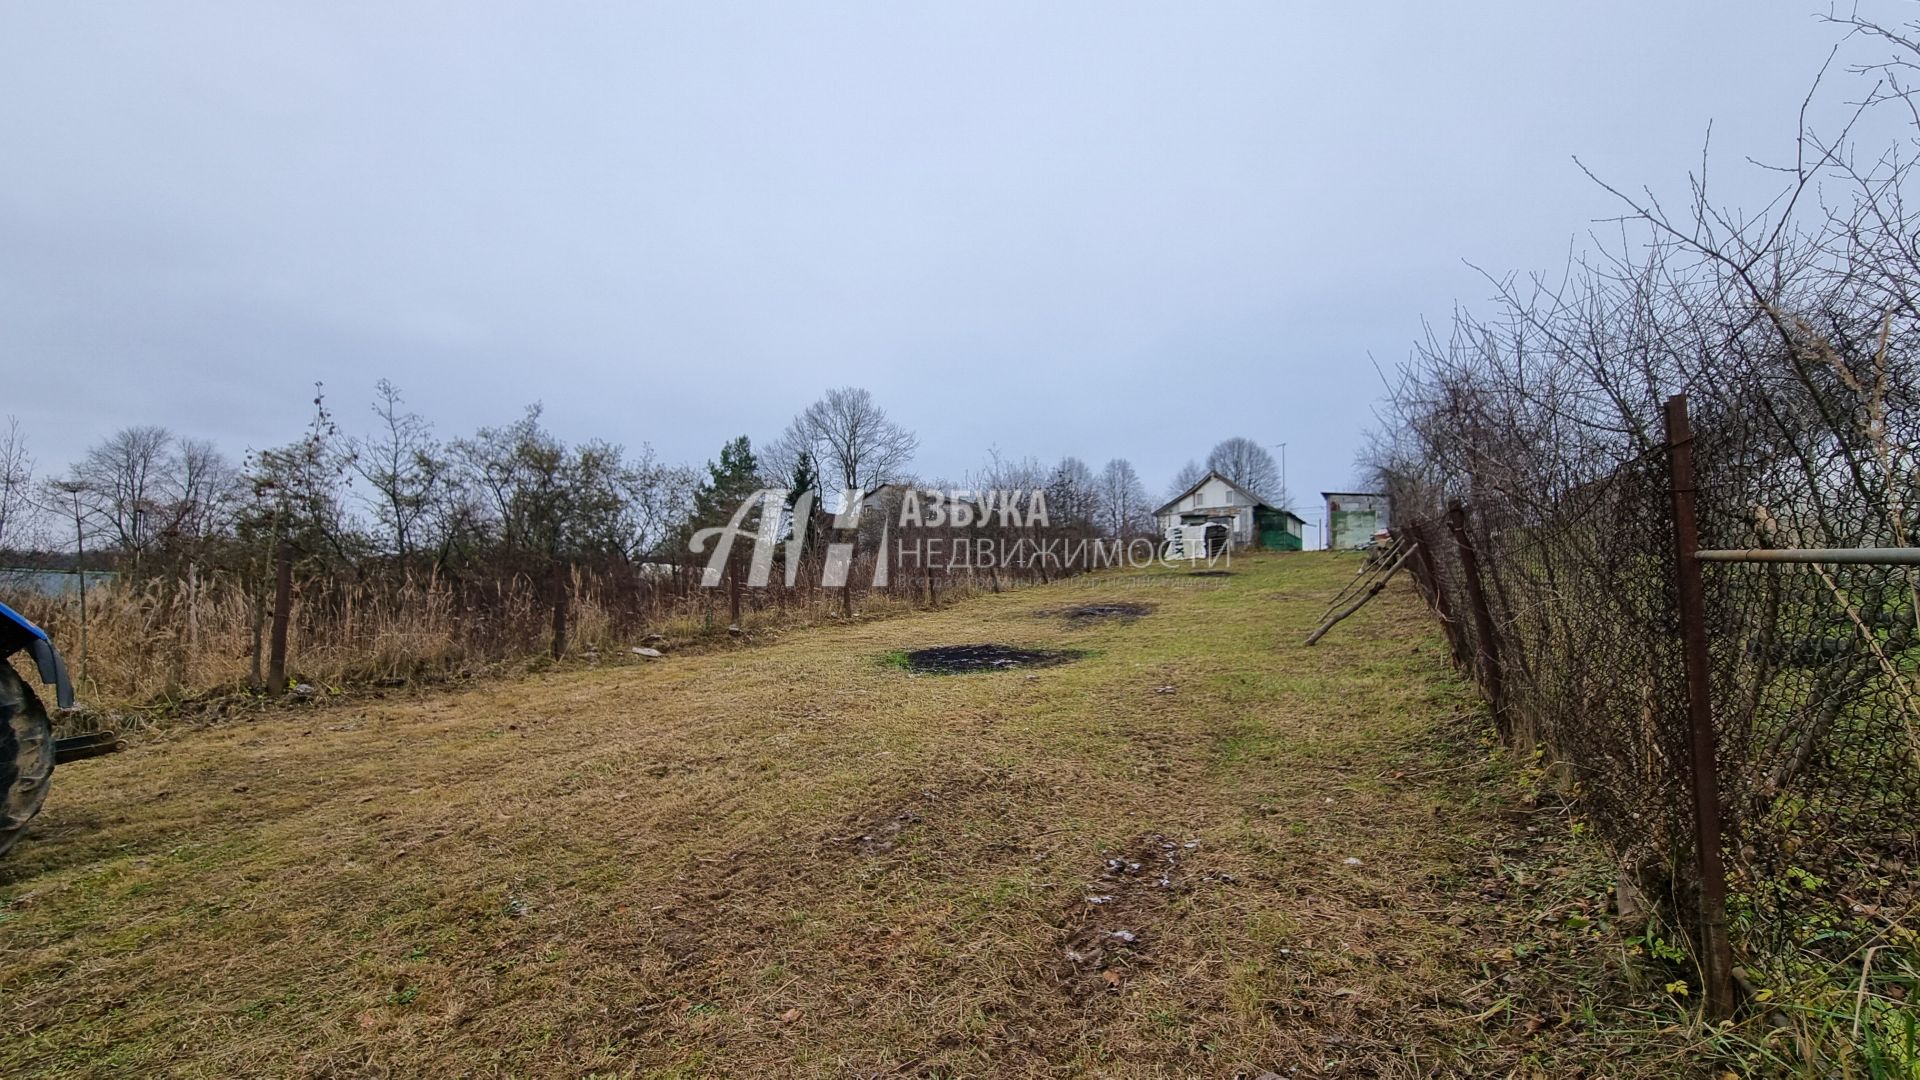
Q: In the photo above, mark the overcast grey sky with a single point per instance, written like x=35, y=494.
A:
x=1103, y=229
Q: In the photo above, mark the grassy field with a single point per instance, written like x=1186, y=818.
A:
x=1199, y=849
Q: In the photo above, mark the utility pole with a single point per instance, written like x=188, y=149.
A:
x=1286, y=494
x=72, y=489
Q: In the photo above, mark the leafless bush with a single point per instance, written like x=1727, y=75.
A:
x=1795, y=336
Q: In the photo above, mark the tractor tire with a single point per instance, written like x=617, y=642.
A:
x=26, y=755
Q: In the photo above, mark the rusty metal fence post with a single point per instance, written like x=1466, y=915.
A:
x=1486, y=645
x=1715, y=952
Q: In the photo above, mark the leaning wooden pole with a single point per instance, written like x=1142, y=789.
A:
x=1372, y=591
x=1367, y=568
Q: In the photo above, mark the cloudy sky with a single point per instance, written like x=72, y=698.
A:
x=1103, y=229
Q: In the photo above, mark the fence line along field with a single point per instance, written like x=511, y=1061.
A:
x=1671, y=498
x=155, y=644
x=1192, y=846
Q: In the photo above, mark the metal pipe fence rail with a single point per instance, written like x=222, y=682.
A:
x=1729, y=696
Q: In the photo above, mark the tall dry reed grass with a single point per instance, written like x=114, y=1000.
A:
x=164, y=640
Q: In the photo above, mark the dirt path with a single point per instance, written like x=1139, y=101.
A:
x=1198, y=849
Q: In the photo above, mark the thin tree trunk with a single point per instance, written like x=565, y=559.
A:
x=282, y=611
x=559, y=611
x=193, y=608
x=258, y=677
x=733, y=594
x=181, y=611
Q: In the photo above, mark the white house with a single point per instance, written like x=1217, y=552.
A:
x=1216, y=510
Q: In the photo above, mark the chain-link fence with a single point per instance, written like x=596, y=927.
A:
x=1710, y=626
x=1573, y=615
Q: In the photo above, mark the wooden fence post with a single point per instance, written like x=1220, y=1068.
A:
x=1437, y=592
x=560, y=581
x=1486, y=644
x=282, y=612
x=733, y=593
x=1715, y=952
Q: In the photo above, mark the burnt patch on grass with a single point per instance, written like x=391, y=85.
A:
x=958, y=659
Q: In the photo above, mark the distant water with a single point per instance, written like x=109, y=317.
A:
x=49, y=582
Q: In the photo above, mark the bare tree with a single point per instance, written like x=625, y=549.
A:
x=297, y=489
x=850, y=437
x=205, y=489
x=1248, y=464
x=1125, y=508
x=125, y=481
x=658, y=498
x=1017, y=479
x=405, y=469
x=1022, y=474
x=16, y=483
x=1187, y=476
x=1073, y=496
x=545, y=501
x=67, y=498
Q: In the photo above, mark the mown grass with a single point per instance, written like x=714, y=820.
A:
x=798, y=859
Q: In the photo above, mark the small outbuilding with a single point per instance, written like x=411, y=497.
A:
x=1216, y=512
x=1353, y=517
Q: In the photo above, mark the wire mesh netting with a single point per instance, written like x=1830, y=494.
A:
x=1794, y=334
x=1814, y=680
x=1813, y=669
x=1585, y=639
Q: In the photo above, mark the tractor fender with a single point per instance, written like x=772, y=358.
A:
x=53, y=670
x=18, y=632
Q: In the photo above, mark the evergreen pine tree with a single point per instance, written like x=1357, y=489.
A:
x=806, y=477
x=729, y=481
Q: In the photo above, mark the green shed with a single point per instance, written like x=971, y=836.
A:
x=1278, y=530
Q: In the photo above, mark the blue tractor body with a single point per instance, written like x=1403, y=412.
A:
x=28, y=751
x=16, y=633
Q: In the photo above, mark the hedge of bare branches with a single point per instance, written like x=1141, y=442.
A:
x=1796, y=336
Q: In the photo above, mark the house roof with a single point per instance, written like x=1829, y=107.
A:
x=1230, y=511
x=1211, y=474
x=1362, y=494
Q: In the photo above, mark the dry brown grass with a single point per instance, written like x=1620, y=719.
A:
x=795, y=859
x=151, y=644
